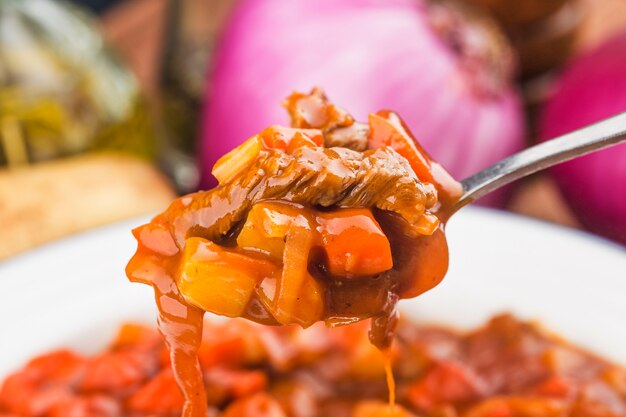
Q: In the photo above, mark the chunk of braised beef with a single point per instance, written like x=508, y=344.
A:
x=352, y=137
x=314, y=110
x=326, y=177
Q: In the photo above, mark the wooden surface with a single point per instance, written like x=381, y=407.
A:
x=53, y=199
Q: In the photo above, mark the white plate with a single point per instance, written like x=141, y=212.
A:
x=74, y=292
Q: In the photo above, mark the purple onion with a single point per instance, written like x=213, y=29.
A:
x=591, y=88
x=446, y=73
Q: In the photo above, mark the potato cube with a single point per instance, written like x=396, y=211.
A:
x=237, y=160
x=219, y=280
x=266, y=227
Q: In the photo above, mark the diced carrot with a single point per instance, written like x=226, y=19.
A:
x=236, y=383
x=616, y=378
x=371, y=408
x=513, y=406
x=89, y=406
x=500, y=410
x=554, y=386
x=118, y=372
x=21, y=397
x=354, y=243
x=491, y=408
x=43, y=382
x=258, y=405
x=366, y=361
x=59, y=366
x=46, y=399
x=219, y=280
x=254, y=352
x=388, y=129
x=134, y=335
x=445, y=382
x=234, y=162
x=15, y=392
x=160, y=395
x=226, y=350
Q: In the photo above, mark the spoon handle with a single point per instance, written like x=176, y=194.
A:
x=589, y=139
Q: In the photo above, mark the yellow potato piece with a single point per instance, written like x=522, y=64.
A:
x=265, y=229
x=252, y=237
x=237, y=160
x=219, y=280
x=304, y=308
x=310, y=305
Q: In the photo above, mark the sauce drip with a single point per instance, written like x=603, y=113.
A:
x=391, y=382
x=180, y=323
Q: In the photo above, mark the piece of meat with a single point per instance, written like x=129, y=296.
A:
x=352, y=137
x=315, y=111
x=310, y=176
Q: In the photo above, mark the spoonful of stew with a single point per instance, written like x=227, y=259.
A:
x=327, y=220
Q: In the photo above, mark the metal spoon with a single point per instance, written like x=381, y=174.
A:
x=580, y=142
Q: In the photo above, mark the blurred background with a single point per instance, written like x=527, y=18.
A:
x=111, y=108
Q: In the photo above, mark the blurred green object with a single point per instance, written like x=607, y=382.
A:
x=62, y=90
